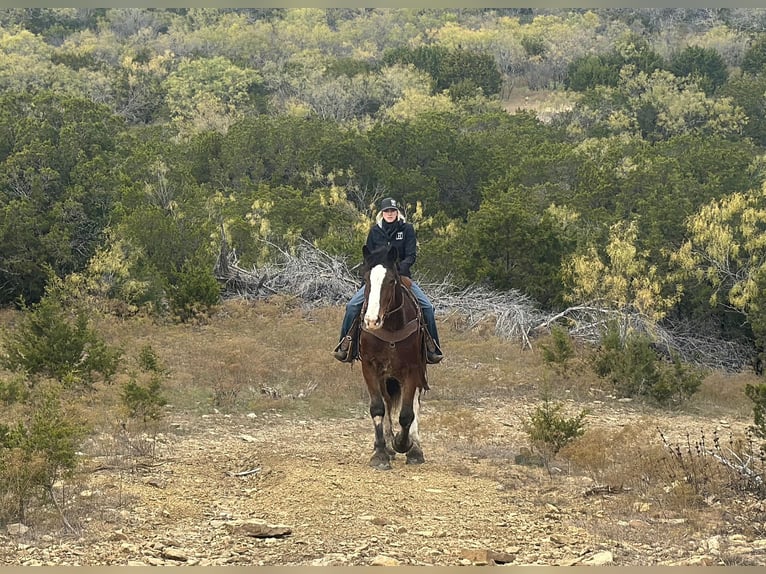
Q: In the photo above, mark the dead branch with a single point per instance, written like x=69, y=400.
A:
x=319, y=279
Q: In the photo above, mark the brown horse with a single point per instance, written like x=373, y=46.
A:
x=392, y=353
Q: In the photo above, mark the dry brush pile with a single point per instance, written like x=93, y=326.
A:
x=318, y=279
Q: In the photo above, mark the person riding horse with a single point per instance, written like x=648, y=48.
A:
x=390, y=229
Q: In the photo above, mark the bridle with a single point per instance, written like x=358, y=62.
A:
x=405, y=331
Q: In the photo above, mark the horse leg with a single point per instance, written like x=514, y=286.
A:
x=380, y=458
x=402, y=440
x=388, y=433
x=415, y=453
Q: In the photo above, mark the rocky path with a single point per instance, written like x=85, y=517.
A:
x=265, y=490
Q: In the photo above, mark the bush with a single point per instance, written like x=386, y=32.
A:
x=632, y=366
x=195, y=292
x=13, y=389
x=144, y=402
x=549, y=431
x=561, y=349
x=36, y=451
x=49, y=341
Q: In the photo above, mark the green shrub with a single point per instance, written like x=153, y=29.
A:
x=49, y=341
x=195, y=292
x=549, y=431
x=633, y=367
x=144, y=402
x=677, y=382
x=561, y=349
x=628, y=362
x=13, y=389
x=36, y=451
x=148, y=360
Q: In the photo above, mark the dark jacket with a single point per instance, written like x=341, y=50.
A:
x=402, y=236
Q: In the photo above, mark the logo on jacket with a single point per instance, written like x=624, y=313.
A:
x=399, y=235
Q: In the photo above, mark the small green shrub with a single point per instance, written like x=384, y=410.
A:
x=632, y=366
x=36, y=451
x=195, y=292
x=677, y=382
x=13, y=389
x=549, y=431
x=560, y=351
x=144, y=402
x=148, y=361
x=50, y=341
x=628, y=362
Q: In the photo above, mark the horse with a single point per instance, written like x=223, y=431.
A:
x=392, y=354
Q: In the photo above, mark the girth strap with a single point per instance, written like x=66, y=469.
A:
x=395, y=336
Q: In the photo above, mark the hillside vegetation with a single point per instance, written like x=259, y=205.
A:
x=588, y=188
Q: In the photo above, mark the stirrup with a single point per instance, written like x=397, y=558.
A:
x=343, y=350
x=433, y=357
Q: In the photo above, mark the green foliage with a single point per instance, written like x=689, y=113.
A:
x=754, y=59
x=51, y=341
x=148, y=361
x=678, y=382
x=56, y=187
x=142, y=395
x=449, y=67
x=757, y=394
x=144, y=401
x=561, y=349
x=13, y=389
x=747, y=92
x=195, y=290
x=704, y=65
x=592, y=70
x=627, y=359
x=550, y=430
x=37, y=450
x=510, y=244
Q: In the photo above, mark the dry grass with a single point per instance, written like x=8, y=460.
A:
x=276, y=356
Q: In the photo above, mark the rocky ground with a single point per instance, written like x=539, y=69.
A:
x=269, y=490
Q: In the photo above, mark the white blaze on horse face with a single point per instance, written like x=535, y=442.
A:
x=371, y=317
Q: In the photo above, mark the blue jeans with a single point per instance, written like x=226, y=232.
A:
x=354, y=307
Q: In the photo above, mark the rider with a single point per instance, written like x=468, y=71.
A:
x=391, y=228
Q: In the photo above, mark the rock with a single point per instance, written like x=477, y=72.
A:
x=599, y=559
x=382, y=560
x=333, y=559
x=481, y=557
x=17, y=529
x=258, y=529
x=174, y=554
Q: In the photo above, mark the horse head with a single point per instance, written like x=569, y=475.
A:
x=381, y=278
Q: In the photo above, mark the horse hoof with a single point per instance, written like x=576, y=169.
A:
x=380, y=463
x=415, y=457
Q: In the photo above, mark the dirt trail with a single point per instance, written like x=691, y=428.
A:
x=459, y=507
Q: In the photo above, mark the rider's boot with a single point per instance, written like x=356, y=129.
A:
x=343, y=350
x=433, y=353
